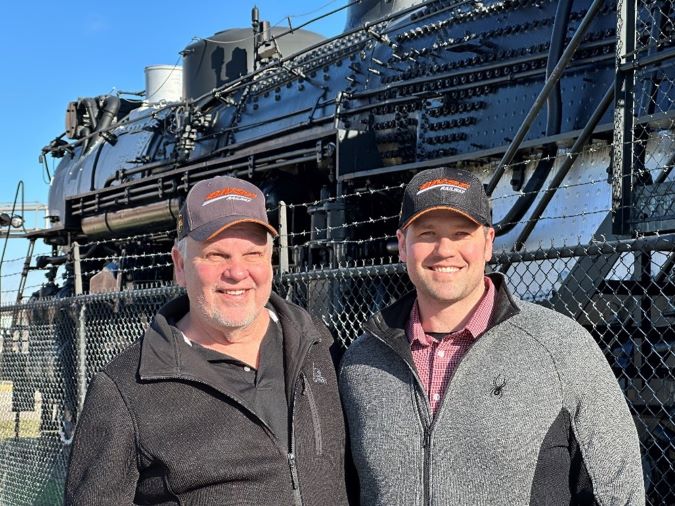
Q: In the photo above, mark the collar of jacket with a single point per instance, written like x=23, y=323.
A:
x=389, y=324
x=165, y=355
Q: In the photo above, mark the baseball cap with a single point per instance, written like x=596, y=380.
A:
x=445, y=188
x=215, y=204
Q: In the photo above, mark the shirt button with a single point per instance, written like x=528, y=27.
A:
x=437, y=397
x=247, y=369
x=441, y=353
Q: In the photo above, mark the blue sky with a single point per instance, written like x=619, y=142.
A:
x=55, y=52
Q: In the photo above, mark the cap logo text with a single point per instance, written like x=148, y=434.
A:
x=228, y=194
x=444, y=185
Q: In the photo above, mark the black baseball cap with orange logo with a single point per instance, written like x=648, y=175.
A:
x=215, y=204
x=445, y=188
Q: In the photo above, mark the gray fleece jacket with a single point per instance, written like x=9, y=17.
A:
x=532, y=415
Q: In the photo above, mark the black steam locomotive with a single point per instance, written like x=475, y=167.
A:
x=502, y=87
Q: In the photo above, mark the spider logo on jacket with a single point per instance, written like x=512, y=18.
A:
x=498, y=384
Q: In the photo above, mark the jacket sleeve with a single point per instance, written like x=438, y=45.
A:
x=601, y=423
x=103, y=464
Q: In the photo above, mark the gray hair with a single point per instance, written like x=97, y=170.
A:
x=181, y=246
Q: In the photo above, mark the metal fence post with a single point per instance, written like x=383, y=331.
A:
x=283, y=238
x=81, y=344
x=77, y=267
x=81, y=357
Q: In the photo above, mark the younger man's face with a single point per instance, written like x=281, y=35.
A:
x=445, y=254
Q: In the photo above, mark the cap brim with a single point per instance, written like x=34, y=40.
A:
x=212, y=229
x=436, y=208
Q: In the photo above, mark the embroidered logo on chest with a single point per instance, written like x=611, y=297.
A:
x=317, y=376
x=498, y=385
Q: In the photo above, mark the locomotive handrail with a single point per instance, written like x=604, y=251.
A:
x=129, y=191
x=539, y=102
x=171, y=163
x=637, y=64
x=97, y=133
x=485, y=153
x=511, y=219
x=562, y=172
x=553, y=122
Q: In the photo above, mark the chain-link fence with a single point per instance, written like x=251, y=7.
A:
x=50, y=351
x=621, y=291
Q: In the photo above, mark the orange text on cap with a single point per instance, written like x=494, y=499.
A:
x=439, y=182
x=229, y=191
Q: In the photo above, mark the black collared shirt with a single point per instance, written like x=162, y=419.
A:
x=263, y=389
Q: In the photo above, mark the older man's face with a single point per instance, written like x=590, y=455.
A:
x=229, y=278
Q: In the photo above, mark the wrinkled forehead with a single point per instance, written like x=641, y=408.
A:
x=240, y=236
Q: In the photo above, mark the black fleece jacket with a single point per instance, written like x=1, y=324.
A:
x=157, y=429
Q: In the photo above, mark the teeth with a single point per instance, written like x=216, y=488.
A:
x=234, y=292
x=445, y=269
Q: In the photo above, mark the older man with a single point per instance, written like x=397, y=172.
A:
x=230, y=396
x=461, y=394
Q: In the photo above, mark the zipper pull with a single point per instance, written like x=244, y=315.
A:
x=427, y=438
x=294, y=470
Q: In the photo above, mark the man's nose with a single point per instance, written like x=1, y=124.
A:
x=445, y=247
x=235, y=270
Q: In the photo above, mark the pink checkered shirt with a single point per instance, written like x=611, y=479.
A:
x=436, y=360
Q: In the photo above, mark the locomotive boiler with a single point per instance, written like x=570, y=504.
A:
x=505, y=88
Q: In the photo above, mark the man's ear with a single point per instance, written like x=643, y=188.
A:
x=489, y=242
x=178, y=266
x=402, y=254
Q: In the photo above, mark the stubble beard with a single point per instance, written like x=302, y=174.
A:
x=450, y=292
x=211, y=314
x=440, y=294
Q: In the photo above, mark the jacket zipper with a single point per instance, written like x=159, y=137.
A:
x=427, y=427
x=427, y=465
x=427, y=424
x=294, y=476
x=292, y=465
x=316, y=422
